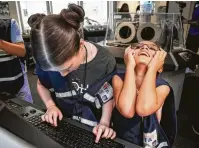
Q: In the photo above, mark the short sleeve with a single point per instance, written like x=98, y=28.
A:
x=111, y=66
x=160, y=81
x=16, y=36
x=43, y=77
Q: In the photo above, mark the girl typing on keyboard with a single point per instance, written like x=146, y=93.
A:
x=73, y=75
x=145, y=113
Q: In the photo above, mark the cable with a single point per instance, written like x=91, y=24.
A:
x=79, y=93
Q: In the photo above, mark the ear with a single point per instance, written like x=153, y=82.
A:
x=81, y=43
x=81, y=47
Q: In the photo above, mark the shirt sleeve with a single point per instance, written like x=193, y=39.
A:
x=16, y=35
x=111, y=66
x=43, y=77
x=195, y=16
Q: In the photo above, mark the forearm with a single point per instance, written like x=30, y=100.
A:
x=127, y=97
x=12, y=48
x=107, y=113
x=147, y=97
x=45, y=95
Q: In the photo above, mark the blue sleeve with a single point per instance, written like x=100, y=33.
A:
x=195, y=16
x=43, y=77
x=160, y=81
x=16, y=36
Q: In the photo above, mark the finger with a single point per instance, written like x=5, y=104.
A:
x=60, y=115
x=165, y=54
x=161, y=49
x=127, y=50
x=43, y=117
x=162, y=56
x=106, y=132
x=131, y=52
x=95, y=130
x=99, y=133
x=114, y=135
x=157, y=54
x=46, y=118
x=50, y=117
x=110, y=133
x=55, y=114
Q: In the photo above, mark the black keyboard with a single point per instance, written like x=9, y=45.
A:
x=68, y=134
x=71, y=136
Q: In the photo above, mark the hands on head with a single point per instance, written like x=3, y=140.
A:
x=155, y=64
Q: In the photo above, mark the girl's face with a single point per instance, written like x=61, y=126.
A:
x=144, y=52
x=73, y=63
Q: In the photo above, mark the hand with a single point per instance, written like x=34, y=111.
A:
x=52, y=114
x=129, y=57
x=1, y=42
x=106, y=131
x=157, y=61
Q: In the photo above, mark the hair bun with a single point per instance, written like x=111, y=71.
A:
x=35, y=20
x=73, y=15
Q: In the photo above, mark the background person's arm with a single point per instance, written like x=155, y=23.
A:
x=16, y=46
x=17, y=49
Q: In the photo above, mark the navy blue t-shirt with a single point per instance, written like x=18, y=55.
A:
x=132, y=129
x=70, y=90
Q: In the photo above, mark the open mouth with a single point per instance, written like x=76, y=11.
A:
x=144, y=54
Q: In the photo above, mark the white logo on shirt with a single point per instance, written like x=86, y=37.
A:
x=150, y=139
x=79, y=88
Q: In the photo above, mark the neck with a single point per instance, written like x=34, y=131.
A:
x=140, y=72
x=91, y=51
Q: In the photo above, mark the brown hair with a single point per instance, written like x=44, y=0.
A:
x=56, y=38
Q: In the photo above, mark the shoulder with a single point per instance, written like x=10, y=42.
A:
x=14, y=24
x=163, y=88
x=117, y=79
x=105, y=58
x=40, y=72
x=15, y=32
x=160, y=81
x=103, y=51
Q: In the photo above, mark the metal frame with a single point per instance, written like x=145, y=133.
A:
x=18, y=6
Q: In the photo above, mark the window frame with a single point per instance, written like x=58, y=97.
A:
x=49, y=8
